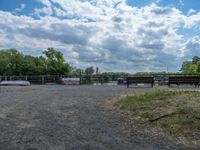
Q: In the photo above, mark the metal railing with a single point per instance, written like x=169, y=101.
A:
x=86, y=79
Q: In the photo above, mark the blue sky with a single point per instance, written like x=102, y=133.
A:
x=183, y=5
x=115, y=35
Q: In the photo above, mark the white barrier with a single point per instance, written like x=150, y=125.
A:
x=17, y=82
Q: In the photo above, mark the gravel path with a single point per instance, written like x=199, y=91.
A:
x=68, y=117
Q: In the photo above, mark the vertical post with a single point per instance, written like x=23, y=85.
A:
x=60, y=79
x=5, y=78
x=80, y=76
x=152, y=82
x=26, y=78
x=127, y=82
x=42, y=79
x=101, y=79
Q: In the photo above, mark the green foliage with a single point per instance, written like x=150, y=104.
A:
x=13, y=62
x=191, y=67
x=89, y=74
x=55, y=63
x=139, y=101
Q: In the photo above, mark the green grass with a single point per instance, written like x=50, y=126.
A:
x=176, y=112
x=132, y=102
x=18, y=90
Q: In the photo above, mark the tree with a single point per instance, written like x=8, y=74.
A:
x=97, y=70
x=195, y=59
x=89, y=72
x=76, y=72
x=28, y=66
x=4, y=62
x=55, y=62
x=13, y=62
x=189, y=68
x=33, y=65
x=198, y=66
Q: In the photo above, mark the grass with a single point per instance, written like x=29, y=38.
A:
x=175, y=112
x=18, y=90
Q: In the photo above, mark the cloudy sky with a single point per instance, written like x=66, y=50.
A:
x=115, y=35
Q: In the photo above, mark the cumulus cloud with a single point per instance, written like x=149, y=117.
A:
x=192, y=20
x=191, y=11
x=109, y=34
x=22, y=6
x=192, y=47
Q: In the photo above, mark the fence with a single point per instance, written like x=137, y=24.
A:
x=85, y=79
x=40, y=79
x=57, y=79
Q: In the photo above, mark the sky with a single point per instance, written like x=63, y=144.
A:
x=114, y=35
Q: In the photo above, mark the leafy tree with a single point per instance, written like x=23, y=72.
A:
x=97, y=70
x=55, y=63
x=189, y=68
x=4, y=62
x=13, y=62
x=195, y=59
x=89, y=72
x=198, y=66
x=76, y=72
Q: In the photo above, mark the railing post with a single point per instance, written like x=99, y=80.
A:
x=101, y=79
x=42, y=79
x=80, y=76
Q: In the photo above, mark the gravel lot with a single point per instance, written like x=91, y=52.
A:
x=57, y=117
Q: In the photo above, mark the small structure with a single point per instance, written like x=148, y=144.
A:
x=15, y=82
x=140, y=81
x=184, y=80
x=70, y=81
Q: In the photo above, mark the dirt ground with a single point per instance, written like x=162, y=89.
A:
x=56, y=117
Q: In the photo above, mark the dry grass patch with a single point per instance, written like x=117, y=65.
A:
x=175, y=112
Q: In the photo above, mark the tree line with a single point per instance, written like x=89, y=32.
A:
x=191, y=67
x=51, y=62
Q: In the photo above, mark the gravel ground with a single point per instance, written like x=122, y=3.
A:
x=57, y=117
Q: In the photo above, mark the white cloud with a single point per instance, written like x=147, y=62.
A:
x=191, y=11
x=22, y=6
x=181, y=2
x=44, y=10
x=192, y=20
x=108, y=34
x=192, y=47
x=45, y=2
